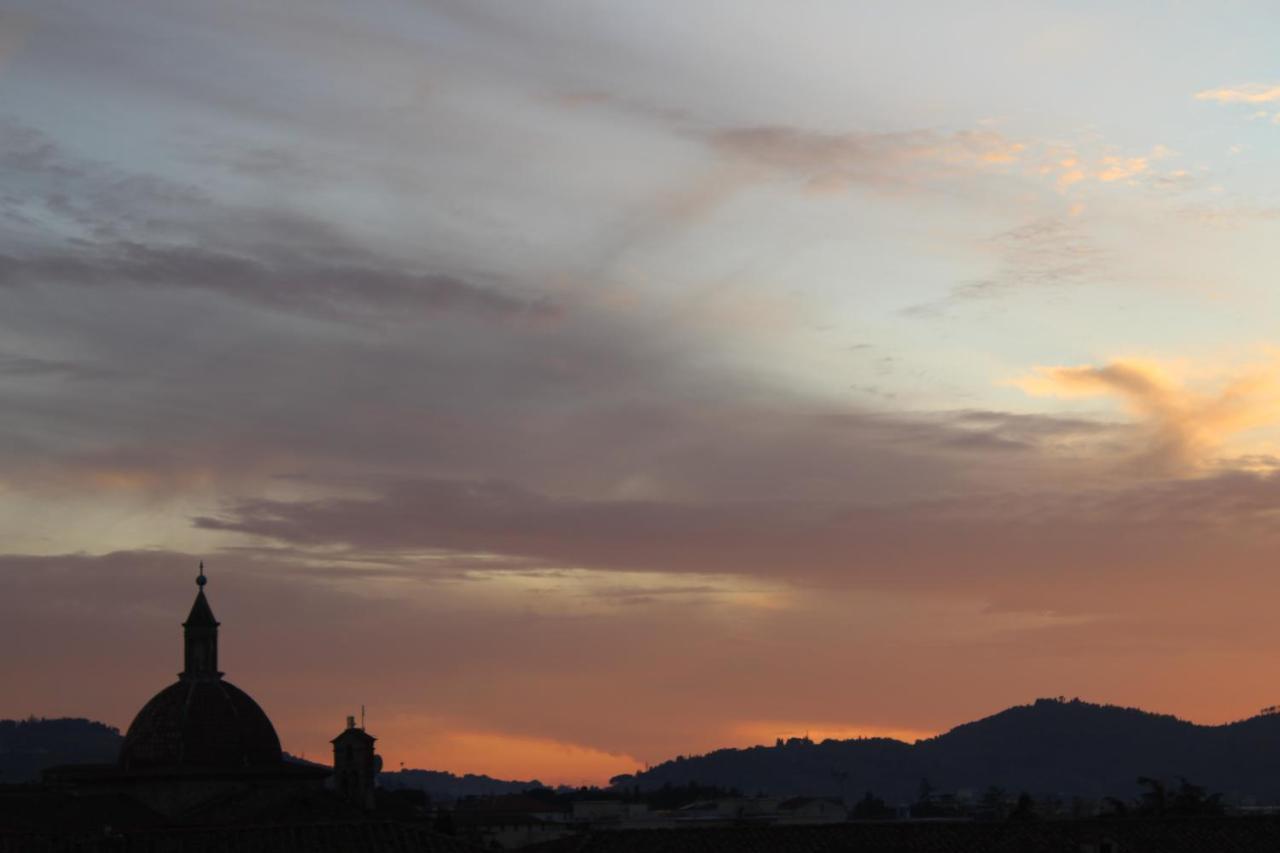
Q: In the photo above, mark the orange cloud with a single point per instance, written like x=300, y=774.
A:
x=1246, y=93
x=1072, y=167
x=1115, y=168
x=1186, y=427
x=1074, y=176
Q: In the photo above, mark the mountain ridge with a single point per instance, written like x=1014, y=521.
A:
x=1049, y=747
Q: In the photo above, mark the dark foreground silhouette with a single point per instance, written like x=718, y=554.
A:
x=1205, y=835
x=1049, y=748
x=201, y=769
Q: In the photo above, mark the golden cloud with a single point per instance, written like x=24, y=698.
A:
x=1186, y=427
x=1069, y=167
x=1115, y=168
x=1247, y=93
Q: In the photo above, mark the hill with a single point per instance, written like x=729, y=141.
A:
x=28, y=746
x=1051, y=747
x=446, y=787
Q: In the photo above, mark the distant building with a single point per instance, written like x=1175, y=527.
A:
x=511, y=821
x=809, y=810
x=604, y=812
x=608, y=815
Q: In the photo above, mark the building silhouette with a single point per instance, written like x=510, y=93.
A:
x=199, y=741
x=355, y=766
x=201, y=768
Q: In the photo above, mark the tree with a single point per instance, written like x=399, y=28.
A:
x=871, y=807
x=925, y=805
x=444, y=824
x=993, y=802
x=1155, y=799
x=1193, y=800
x=1025, y=809
x=1116, y=806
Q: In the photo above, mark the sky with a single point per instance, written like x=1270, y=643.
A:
x=576, y=385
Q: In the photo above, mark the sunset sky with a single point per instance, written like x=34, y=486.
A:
x=579, y=384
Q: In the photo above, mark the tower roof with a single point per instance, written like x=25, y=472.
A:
x=354, y=734
x=201, y=615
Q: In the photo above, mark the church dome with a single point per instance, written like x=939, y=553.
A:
x=202, y=721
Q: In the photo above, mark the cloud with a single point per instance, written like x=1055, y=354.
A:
x=331, y=289
x=836, y=161
x=1185, y=427
x=18, y=366
x=1230, y=215
x=15, y=29
x=947, y=546
x=829, y=160
x=1072, y=166
x=1114, y=168
x=141, y=231
x=1047, y=253
x=1245, y=93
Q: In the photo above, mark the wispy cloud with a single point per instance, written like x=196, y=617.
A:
x=831, y=160
x=1048, y=253
x=21, y=366
x=330, y=289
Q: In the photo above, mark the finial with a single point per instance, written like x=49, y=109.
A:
x=201, y=580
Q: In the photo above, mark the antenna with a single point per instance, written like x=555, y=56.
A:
x=361, y=718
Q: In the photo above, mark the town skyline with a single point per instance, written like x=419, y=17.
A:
x=579, y=388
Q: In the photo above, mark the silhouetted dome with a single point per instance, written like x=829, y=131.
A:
x=200, y=723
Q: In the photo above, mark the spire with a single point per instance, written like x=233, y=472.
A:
x=200, y=636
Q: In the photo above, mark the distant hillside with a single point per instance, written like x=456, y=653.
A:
x=28, y=746
x=439, y=785
x=1051, y=747
x=444, y=787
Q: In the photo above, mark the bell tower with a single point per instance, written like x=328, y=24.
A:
x=355, y=765
x=200, y=637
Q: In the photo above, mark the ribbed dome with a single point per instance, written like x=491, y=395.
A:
x=200, y=723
